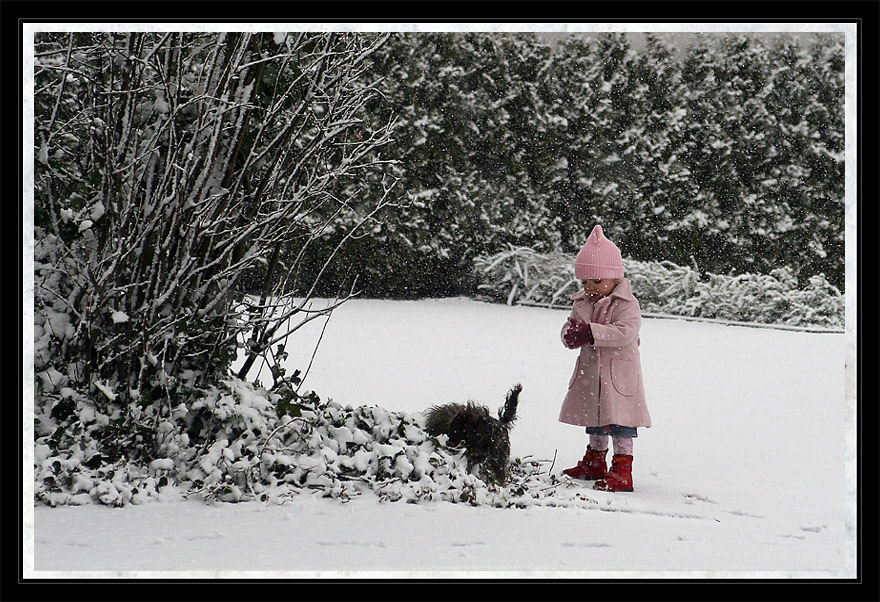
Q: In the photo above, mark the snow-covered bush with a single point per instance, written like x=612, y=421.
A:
x=270, y=445
x=520, y=275
x=167, y=168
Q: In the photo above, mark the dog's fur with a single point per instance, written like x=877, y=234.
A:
x=484, y=438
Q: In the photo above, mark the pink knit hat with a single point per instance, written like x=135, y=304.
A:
x=598, y=259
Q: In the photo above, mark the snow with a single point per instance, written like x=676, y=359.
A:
x=119, y=317
x=746, y=473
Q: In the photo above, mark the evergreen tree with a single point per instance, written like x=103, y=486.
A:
x=593, y=118
x=744, y=74
x=824, y=160
x=706, y=188
x=508, y=152
x=648, y=191
x=614, y=111
x=570, y=146
x=778, y=188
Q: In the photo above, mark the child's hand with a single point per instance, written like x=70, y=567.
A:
x=578, y=334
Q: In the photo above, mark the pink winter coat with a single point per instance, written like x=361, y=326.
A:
x=606, y=387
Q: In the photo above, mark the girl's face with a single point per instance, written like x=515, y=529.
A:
x=596, y=289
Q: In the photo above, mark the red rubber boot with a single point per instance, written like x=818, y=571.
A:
x=591, y=467
x=619, y=477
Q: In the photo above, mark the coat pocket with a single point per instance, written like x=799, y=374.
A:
x=625, y=376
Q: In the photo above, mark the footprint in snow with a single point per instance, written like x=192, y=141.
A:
x=362, y=544
x=790, y=536
x=77, y=544
x=581, y=544
x=690, y=497
x=743, y=513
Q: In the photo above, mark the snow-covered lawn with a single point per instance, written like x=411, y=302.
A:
x=747, y=471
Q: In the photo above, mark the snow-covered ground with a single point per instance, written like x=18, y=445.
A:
x=747, y=471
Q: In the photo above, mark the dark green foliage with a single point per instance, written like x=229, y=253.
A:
x=727, y=155
x=468, y=108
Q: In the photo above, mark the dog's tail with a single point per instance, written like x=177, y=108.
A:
x=507, y=413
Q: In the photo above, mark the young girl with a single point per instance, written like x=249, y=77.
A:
x=605, y=393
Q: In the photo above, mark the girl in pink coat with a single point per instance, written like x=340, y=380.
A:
x=605, y=394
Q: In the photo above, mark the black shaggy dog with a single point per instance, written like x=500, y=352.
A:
x=484, y=438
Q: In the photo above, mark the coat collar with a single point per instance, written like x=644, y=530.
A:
x=622, y=290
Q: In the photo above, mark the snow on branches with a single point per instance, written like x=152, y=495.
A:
x=171, y=168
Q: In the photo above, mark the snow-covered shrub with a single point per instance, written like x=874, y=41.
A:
x=268, y=446
x=159, y=184
x=306, y=445
x=520, y=275
x=820, y=302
